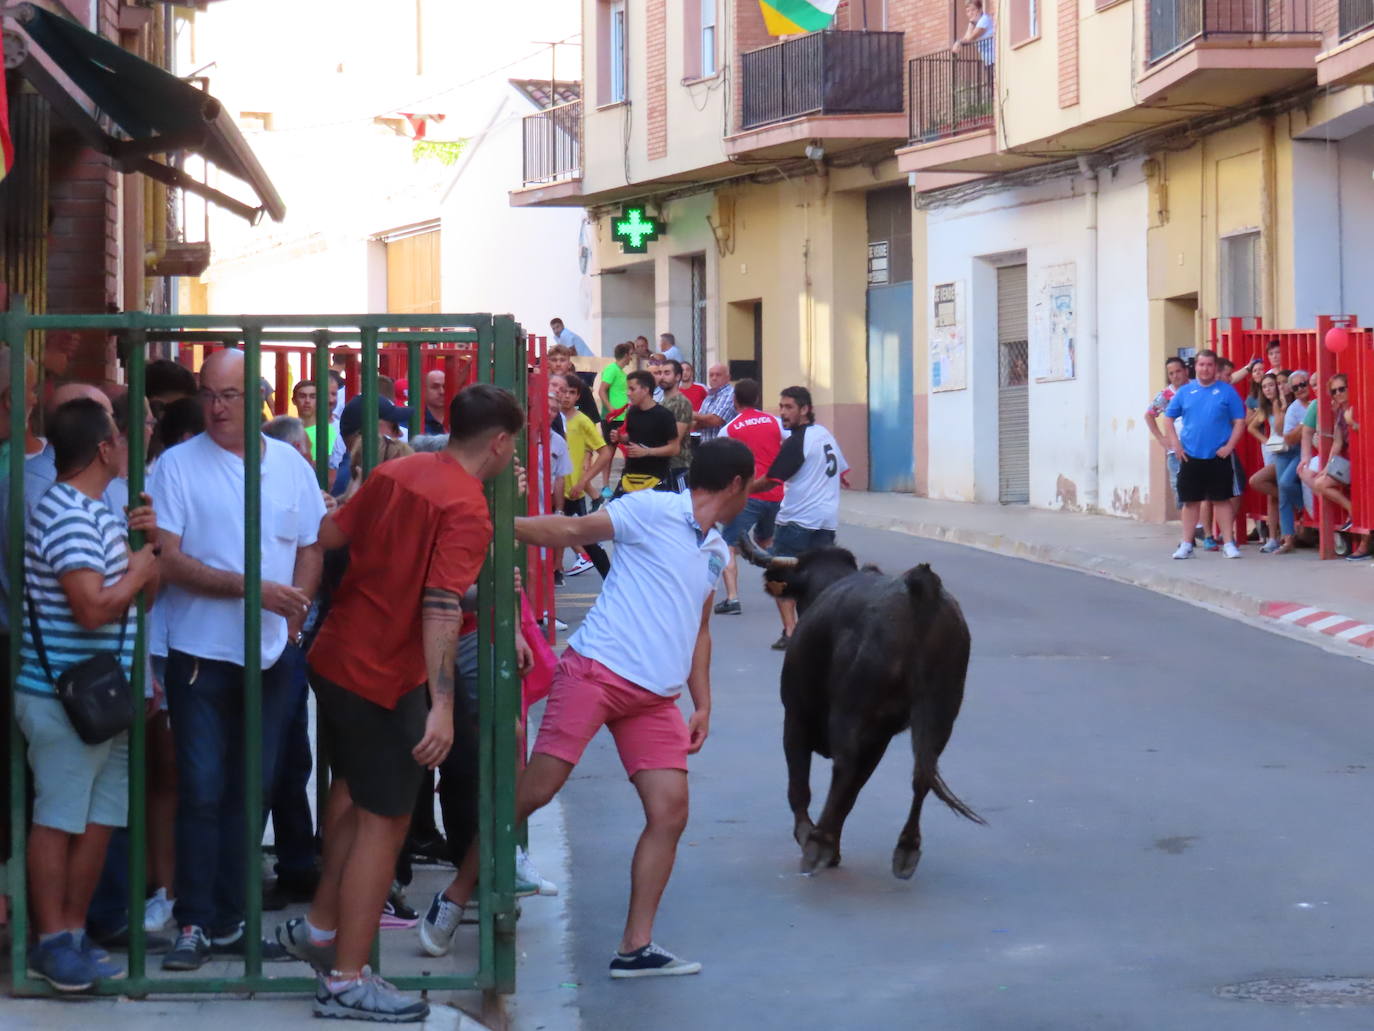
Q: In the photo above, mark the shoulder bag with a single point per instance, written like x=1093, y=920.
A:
x=94, y=692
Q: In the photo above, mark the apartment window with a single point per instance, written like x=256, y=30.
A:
x=1240, y=275
x=1025, y=20
x=708, y=37
x=618, y=47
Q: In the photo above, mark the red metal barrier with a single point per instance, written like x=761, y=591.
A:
x=1305, y=349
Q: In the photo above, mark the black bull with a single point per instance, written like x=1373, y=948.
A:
x=871, y=656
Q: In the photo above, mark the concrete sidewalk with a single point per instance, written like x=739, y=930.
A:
x=1330, y=604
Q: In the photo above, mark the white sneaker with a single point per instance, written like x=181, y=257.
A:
x=436, y=929
x=157, y=911
x=525, y=871
x=583, y=564
x=1185, y=550
x=1230, y=550
x=558, y=624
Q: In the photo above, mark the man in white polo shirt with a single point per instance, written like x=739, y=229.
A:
x=198, y=487
x=668, y=557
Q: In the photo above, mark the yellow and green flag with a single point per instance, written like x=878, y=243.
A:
x=788, y=17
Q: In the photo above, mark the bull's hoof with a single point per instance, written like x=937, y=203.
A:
x=818, y=853
x=802, y=832
x=904, y=861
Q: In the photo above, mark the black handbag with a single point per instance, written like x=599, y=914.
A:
x=94, y=692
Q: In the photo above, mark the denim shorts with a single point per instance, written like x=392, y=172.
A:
x=757, y=515
x=791, y=540
x=73, y=783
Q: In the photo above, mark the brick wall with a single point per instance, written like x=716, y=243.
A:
x=656, y=77
x=748, y=33
x=1066, y=14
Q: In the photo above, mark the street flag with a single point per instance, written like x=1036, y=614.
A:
x=789, y=17
x=6, y=144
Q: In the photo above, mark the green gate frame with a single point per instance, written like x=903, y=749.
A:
x=501, y=360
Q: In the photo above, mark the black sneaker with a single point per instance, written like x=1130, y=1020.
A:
x=231, y=941
x=558, y=578
x=651, y=961
x=429, y=847
x=155, y=943
x=729, y=607
x=780, y=645
x=395, y=912
x=190, y=952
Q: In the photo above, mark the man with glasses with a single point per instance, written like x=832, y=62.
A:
x=198, y=488
x=1288, y=461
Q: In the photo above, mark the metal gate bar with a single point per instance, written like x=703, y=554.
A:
x=501, y=361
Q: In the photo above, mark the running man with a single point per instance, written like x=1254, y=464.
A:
x=763, y=435
x=812, y=466
x=417, y=533
x=668, y=557
x=651, y=438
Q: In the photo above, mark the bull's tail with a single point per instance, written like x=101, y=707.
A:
x=941, y=791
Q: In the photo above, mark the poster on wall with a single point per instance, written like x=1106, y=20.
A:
x=1055, y=325
x=948, y=355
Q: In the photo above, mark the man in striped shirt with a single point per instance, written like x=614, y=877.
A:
x=80, y=580
x=719, y=406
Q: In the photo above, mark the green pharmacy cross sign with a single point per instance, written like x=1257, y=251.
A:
x=635, y=229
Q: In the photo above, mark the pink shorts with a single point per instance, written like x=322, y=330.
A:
x=649, y=730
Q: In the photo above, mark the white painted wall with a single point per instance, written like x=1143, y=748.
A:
x=1333, y=227
x=509, y=260
x=1044, y=226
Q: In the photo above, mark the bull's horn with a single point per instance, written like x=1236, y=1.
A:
x=750, y=550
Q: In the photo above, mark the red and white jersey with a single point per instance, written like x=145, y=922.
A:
x=763, y=435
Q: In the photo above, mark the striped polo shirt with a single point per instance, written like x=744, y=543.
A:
x=66, y=532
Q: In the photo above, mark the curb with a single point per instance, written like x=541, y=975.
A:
x=1261, y=612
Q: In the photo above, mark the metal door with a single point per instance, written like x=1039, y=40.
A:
x=1013, y=375
x=890, y=451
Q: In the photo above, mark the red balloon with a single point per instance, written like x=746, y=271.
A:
x=1337, y=339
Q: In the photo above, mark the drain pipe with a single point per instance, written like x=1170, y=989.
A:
x=1088, y=350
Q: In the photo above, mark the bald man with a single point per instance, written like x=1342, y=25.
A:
x=40, y=469
x=719, y=406
x=435, y=402
x=198, y=489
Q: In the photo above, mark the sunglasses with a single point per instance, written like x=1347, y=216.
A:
x=1299, y=385
x=1337, y=390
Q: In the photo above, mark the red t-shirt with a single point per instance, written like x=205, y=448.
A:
x=693, y=392
x=761, y=433
x=418, y=522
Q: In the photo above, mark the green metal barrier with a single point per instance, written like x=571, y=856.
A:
x=501, y=360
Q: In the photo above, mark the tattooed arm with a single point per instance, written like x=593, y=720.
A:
x=441, y=616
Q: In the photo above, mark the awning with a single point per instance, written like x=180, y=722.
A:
x=153, y=111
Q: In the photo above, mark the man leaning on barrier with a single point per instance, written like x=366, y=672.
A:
x=198, y=488
x=418, y=531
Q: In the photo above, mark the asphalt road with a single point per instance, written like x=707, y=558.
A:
x=1177, y=802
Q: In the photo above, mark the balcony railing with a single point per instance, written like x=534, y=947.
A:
x=1355, y=16
x=825, y=73
x=553, y=144
x=1176, y=23
x=951, y=93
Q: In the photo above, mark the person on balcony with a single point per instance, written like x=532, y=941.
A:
x=980, y=31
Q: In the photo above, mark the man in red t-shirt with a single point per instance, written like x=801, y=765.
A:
x=417, y=533
x=762, y=434
x=691, y=389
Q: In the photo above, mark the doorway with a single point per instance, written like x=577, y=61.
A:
x=1013, y=390
x=888, y=317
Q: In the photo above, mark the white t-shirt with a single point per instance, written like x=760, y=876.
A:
x=811, y=497
x=561, y=463
x=197, y=489
x=644, y=623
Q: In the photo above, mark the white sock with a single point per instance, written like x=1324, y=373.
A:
x=317, y=936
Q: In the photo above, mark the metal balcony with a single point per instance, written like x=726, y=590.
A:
x=553, y=144
x=1176, y=23
x=951, y=93
x=824, y=73
x=1355, y=16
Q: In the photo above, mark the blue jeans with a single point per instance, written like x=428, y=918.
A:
x=756, y=515
x=292, y=828
x=1171, y=459
x=790, y=539
x=1290, y=488
x=205, y=700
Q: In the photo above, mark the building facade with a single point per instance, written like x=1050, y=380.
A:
x=976, y=256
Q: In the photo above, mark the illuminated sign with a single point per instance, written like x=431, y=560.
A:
x=635, y=229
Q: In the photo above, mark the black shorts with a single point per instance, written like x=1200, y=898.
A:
x=369, y=746
x=1205, y=479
